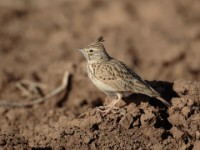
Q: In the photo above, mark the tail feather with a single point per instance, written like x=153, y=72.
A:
x=163, y=101
x=144, y=88
x=153, y=93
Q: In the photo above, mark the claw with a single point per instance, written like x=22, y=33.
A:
x=105, y=110
x=111, y=107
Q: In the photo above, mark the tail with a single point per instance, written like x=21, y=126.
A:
x=155, y=94
x=146, y=89
x=163, y=101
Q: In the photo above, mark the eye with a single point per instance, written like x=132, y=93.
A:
x=91, y=51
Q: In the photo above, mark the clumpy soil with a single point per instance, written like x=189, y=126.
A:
x=160, y=40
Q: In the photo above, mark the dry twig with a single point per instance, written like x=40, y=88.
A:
x=56, y=91
x=29, y=88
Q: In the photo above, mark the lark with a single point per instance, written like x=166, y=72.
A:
x=113, y=77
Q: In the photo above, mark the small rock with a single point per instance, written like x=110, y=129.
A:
x=181, y=87
x=92, y=112
x=157, y=146
x=120, y=104
x=197, y=134
x=93, y=145
x=126, y=121
x=148, y=119
x=184, y=147
x=144, y=105
x=60, y=147
x=177, y=103
x=87, y=140
x=69, y=132
x=190, y=103
x=122, y=111
x=108, y=100
x=196, y=145
x=135, y=113
x=133, y=110
x=136, y=123
x=183, y=101
x=185, y=111
x=131, y=107
x=62, y=121
x=176, y=132
x=177, y=119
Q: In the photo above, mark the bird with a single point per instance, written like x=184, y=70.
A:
x=114, y=77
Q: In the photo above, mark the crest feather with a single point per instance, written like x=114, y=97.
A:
x=100, y=39
x=97, y=43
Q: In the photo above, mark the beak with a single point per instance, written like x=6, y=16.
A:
x=80, y=50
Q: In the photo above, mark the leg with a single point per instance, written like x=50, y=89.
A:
x=112, y=104
x=108, y=101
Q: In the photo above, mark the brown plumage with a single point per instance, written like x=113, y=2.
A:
x=112, y=76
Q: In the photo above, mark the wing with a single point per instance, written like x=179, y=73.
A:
x=122, y=78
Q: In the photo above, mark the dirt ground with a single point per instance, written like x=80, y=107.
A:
x=160, y=40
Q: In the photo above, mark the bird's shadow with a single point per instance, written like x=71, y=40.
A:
x=164, y=88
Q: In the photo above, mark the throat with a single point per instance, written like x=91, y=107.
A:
x=93, y=61
x=98, y=58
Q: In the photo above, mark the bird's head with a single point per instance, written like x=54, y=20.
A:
x=95, y=51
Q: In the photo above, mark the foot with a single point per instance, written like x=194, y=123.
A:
x=105, y=110
x=111, y=106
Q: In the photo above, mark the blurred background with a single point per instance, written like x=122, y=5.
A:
x=160, y=40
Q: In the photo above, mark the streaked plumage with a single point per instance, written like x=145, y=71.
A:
x=112, y=76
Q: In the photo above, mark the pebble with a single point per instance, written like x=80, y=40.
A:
x=126, y=121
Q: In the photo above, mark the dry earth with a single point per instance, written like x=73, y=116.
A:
x=159, y=39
